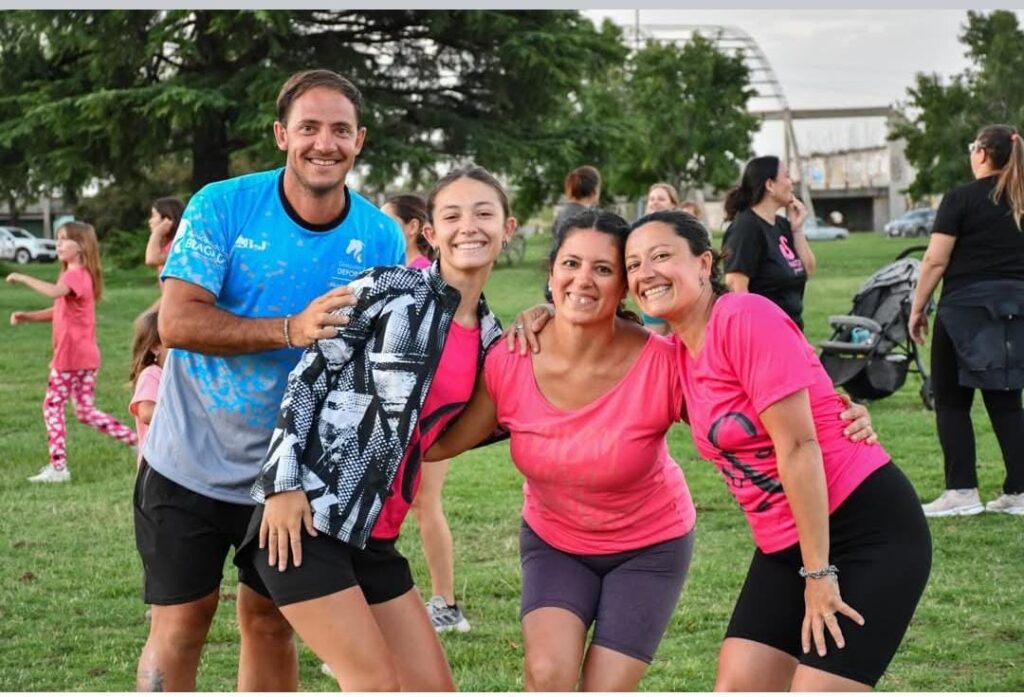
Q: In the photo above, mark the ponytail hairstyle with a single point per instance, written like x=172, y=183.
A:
x=1003, y=146
x=85, y=235
x=409, y=207
x=697, y=237
x=607, y=223
x=751, y=188
x=144, y=344
x=582, y=182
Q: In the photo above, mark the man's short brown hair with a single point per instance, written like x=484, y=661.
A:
x=301, y=82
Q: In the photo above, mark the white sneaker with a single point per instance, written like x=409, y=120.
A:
x=445, y=617
x=50, y=475
x=954, y=502
x=326, y=670
x=1007, y=503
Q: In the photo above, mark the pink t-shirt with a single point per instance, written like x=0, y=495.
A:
x=146, y=387
x=753, y=356
x=449, y=392
x=74, y=324
x=420, y=262
x=599, y=479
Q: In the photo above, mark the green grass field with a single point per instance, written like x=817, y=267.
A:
x=70, y=607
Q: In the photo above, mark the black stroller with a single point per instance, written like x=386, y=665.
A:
x=870, y=351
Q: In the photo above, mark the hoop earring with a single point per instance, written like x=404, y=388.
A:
x=504, y=243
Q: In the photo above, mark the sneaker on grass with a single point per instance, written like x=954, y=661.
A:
x=1007, y=503
x=50, y=475
x=445, y=617
x=954, y=502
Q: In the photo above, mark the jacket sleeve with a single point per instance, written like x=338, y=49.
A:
x=311, y=381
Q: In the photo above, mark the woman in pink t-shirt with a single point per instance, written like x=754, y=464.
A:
x=607, y=529
x=76, y=355
x=762, y=408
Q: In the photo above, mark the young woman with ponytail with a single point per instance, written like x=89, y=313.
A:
x=765, y=253
x=977, y=251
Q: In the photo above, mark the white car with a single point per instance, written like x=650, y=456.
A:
x=818, y=229
x=22, y=246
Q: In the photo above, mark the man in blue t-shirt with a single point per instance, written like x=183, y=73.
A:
x=244, y=292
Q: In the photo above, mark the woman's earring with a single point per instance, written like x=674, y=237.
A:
x=504, y=243
x=701, y=281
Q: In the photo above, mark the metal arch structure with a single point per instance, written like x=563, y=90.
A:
x=770, y=99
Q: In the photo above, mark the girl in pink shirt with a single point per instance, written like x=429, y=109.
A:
x=410, y=212
x=146, y=371
x=76, y=355
x=762, y=408
x=608, y=522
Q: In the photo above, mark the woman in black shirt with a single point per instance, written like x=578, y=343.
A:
x=764, y=252
x=977, y=250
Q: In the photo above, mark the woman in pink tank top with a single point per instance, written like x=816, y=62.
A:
x=762, y=409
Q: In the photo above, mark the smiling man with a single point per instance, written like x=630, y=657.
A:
x=257, y=266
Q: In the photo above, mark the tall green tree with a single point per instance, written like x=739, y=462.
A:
x=688, y=109
x=123, y=91
x=943, y=115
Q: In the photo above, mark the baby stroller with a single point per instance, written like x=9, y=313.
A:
x=870, y=351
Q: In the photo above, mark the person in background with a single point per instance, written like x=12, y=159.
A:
x=582, y=191
x=410, y=212
x=765, y=253
x=692, y=208
x=662, y=196
x=977, y=251
x=146, y=369
x=164, y=218
x=76, y=353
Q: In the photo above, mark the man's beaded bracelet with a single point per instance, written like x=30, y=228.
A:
x=287, y=334
x=830, y=570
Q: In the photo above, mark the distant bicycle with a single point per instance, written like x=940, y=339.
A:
x=515, y=251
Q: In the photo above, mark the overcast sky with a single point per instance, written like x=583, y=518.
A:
x=834, y=58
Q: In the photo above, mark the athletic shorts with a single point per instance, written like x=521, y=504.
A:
x=881, y=544
x=629, y=597
x=183, y=538
x=328, y=566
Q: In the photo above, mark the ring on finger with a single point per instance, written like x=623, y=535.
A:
x=518, y=326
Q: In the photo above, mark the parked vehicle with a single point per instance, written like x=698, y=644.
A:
x=914, y=223
x=24, y=247
x=818, y=229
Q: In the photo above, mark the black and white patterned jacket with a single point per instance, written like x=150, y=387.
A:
x=350, y=410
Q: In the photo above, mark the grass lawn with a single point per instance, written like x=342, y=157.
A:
x=70, y=578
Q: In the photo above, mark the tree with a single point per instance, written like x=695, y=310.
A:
x=123, y=91
x=943, y=116
x=688, y=109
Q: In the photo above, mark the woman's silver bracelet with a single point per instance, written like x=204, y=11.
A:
x=830, y=570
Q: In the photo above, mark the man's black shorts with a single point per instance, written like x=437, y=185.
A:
x=328, y=566
x=183, y=538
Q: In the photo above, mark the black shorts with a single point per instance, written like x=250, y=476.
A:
x=328, y=566
x=183, y=538
x=881, y=544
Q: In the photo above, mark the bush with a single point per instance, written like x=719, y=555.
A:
x=124, y=249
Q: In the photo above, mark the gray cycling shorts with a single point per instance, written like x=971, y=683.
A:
x=629, y=597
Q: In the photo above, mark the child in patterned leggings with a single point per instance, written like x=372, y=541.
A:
x=76, y=355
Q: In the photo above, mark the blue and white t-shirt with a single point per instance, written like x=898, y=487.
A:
x=241, y=241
